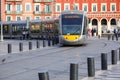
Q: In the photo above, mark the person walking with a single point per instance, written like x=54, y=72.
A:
x=116, y=34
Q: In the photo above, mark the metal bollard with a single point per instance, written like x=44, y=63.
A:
x=9, y=48
x=119, y=54
x=43, y=43
x=112, y=37
x=73, y=71
x=103, y=61
x=114, y=57
x=49, y=41
x=108, y=36
x=38, y=44
x=21, y=46
x=91, y=67
x=30, y=45
x=43, y=75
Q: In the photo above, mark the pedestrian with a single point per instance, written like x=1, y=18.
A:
x=116, y=34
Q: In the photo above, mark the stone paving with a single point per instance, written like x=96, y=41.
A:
x=111, y=74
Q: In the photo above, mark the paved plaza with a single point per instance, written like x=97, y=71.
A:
x=26, y=65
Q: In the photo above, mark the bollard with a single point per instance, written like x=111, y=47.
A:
x=103, y=61
x=53, y=41
x=38, y=44
x=108, y=36
x=119, y=54
x=91, y=67
x=112, y=37
x=98, y=36
x=43, y=75
x=73, y=71
x=21, y=46
x=114, y=57
x=30, y=45
x=9, y=48
x=49, y=41
x=43, y=43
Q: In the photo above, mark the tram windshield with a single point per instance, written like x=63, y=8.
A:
x=72, y=24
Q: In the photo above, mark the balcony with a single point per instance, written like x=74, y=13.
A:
x=42, y=12
x=9, y=12
x=45, y=1
x=14, y=0
x=13, y=12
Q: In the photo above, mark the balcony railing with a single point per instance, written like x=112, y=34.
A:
x=13, y=12
x=43, y=12
x=43, y=1
x=14, y=0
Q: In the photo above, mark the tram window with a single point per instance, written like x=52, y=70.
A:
x=85, y=26
x=5, y=29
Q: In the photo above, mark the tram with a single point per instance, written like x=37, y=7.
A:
x=73, y=27
x=32, y=29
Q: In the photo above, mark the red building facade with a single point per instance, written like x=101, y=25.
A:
x=104, y=15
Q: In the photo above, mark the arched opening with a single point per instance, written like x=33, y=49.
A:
x=113, y=22
x=95, y=25
x=104, y=25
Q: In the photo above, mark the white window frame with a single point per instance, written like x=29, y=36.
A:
x=111, y=6
x=105, y=7
x=58, y=4
x=18, y=16
x=85, y=4
x=93, y=6
x=67, y=4
x=46, y=17
x=20, y=7
x=29, y=6
x=8, y=16
x=10, y=7
x=36, y=17
x=28, y=16
x=76, y=4
x=35, y=7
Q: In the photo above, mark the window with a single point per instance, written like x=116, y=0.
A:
x=67, y=6
x=37, y=7
x=85, y=7
x=28, y=18
x=103, y=7
x=18, y=18
x=58, y=7
x=94, y=7
x=18, y=7
x=27, y=7
x=47, y=8
x=76, y=6
x=8, y=18
x=8, y=7
x=113, y=7
x=37, y=18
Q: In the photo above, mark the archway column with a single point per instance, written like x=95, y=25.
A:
x=108, y=25
x=99, y=28
x=1, y=36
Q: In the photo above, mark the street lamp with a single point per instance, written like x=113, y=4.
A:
x=1, y=36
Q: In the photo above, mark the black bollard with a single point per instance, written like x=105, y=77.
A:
x=73, y=71
x=108, y=36
x=43, y=43
x=53, y=41
x=103, y=61
x=38, y=44
x=112, y=37
x=9, y=48
x=114, y=57
x=49, y=41
x=21, y=46
x=30, y=45
x=43, y=75
x=119, y=54
x=91, y=67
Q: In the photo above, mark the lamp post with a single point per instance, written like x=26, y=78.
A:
x=1, y=36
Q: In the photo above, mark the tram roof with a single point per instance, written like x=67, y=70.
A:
x=14, y=22
x=35, y=21
x=73, y=11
